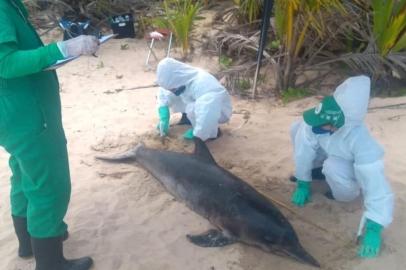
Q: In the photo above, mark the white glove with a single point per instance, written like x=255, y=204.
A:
x=81, y=45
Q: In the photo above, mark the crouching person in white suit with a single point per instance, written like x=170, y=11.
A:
x=333, y=142
x=199, y=96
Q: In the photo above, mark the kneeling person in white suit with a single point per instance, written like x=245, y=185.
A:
x=196, y=94
x=333, y=137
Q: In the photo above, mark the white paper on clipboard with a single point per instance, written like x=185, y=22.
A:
x=60, y=63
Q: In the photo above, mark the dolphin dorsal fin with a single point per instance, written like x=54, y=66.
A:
x=202, y=151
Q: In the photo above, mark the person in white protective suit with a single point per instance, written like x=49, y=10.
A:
x=334, y=141
x=199, y=96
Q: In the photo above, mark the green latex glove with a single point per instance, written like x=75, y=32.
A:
x=164, y=117
x=302, y=194
x=371, y=242
x=188, y=135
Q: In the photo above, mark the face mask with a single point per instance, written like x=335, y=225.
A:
x=319, y=130
x=179, y=90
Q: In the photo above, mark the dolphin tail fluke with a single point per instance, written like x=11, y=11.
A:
x=301, y=254
x=127, y=156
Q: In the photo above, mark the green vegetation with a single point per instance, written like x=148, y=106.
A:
x=179, y=16
x=389, y=25
x=249, y=10
x=225, y=61
x=340, y=37
x=243, y=84
x=124, y=47
x=292, y=94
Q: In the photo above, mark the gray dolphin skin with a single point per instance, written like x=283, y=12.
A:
x=238, y=211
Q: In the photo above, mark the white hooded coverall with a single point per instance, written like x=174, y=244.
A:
x=352, y=160
x=205, y=101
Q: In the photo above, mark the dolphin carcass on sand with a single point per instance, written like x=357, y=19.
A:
x=238, y=211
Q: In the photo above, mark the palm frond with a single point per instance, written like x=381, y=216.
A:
x=249, y=10
x=236, y=43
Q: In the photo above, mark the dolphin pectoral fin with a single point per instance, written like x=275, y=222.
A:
x=211, y=238
x=202, y=151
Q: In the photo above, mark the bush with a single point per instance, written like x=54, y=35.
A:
x=180, y=17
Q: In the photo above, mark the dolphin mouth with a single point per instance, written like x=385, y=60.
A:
x=300, y=254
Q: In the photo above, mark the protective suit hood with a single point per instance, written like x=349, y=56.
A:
x=172, y=74
x=353, y=97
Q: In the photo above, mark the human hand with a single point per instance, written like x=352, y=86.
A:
x=81, y=45
x=188, y=135
x=302, y=193
x=164, y=117
x=371, y=241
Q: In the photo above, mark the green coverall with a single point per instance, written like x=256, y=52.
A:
x=30, y=124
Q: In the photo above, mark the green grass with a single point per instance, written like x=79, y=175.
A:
x=243, y=87
x=225, y=61
x=292, y=94
x=274, y=44
x=124, y=47
x=400, y=92
x=243, y=84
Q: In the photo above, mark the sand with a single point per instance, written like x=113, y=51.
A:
x=125, y=220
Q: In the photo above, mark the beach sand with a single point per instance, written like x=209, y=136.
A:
x=125, y=220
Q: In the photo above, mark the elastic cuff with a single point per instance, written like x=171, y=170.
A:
x=381, y=220
x=372, y=225
x=303, y=184
x=56, y=51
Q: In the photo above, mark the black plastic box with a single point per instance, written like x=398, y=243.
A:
x=123, y=25
x=74, y=25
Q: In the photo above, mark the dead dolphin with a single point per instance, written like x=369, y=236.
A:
x=239, y=212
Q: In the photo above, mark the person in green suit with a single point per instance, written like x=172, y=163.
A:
x=31, y=132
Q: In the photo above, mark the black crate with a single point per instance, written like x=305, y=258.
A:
x=123, y=25
x=74, y=25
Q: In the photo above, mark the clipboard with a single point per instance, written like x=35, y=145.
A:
x=63, y=62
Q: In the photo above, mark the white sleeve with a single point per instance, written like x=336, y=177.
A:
x=305, y=151
x=378, y=196
x=370, y=173
x=163, y=97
